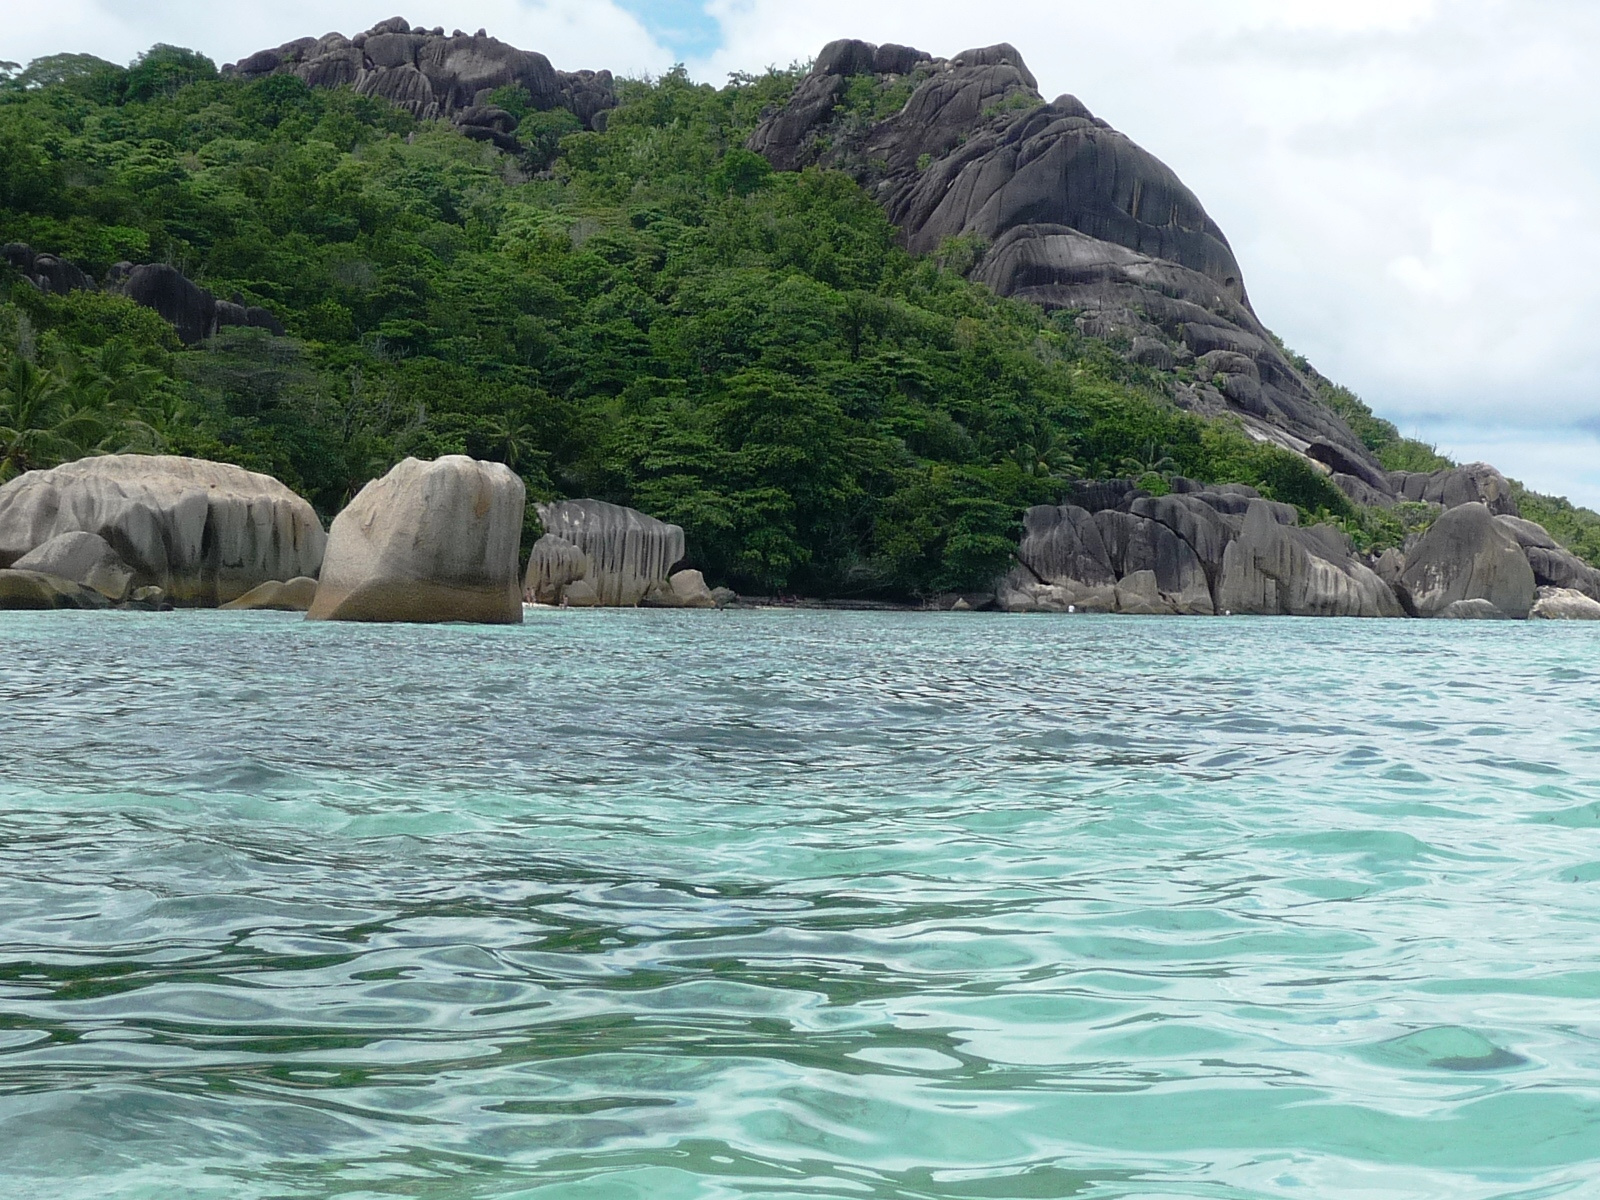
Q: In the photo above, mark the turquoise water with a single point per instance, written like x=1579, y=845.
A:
x=783, y=904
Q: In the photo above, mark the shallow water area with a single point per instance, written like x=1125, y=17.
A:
x=796, y=904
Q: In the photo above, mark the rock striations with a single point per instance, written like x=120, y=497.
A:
x=430, y=541
x=203, y=532
x=624, y=554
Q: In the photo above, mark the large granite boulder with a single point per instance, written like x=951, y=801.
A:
x=1564, y=604
x=627, y=551
x=435, y=75
x=203, y=532
x=292, y=595
x=685, y=589
x=36, y=590
x=554, y=565
x=1467, y=555
x=1166, y=573
x=430, y=541
x=1276, y=570
x=1474, y=483
x=1554, y=566
x=84, y=558
x=1068, y=213
x=1062, y=562
x=50, y=274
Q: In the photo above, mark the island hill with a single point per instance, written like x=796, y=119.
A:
x=890, y=327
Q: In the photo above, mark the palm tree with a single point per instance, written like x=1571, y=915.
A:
x=1150, y=459
x=1046, y=456
x=42, y=423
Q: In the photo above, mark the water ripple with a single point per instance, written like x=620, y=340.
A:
x=792, y=904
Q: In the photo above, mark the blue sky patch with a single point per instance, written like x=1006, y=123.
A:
x=680, y=25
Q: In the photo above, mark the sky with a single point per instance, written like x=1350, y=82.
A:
x=1411, y=186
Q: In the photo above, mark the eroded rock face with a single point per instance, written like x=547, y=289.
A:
x=628, y=552
x=685, y=589
x=1467, y=555
x=430, y=541
x=436, y=75
x=203, y=532
x=85, y=558
x=1272, y=569
x=50, y=274
x=1553, y=565
x=1070, y=213
x=554, y=565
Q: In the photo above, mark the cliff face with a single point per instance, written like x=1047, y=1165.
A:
x=1070, y=214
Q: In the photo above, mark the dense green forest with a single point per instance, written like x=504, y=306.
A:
x=648, y=315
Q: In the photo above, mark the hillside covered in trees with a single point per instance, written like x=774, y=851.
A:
x=647, y=314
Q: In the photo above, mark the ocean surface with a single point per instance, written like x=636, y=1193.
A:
x=798, y=904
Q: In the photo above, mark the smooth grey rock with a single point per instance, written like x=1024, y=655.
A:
x=36, y=590
x=1553, y=565
x=691, y=591
x=82, y=557
x=1138, y=545
x=627, y=550
x=1466, y=555
x=1062, y=563
x=1390, y=565
x=430, y=541
x=1273, y=569
x=1455, y=486
x=1139, y=595
x=49, y=273
x=1564, y=604
x=292, y=595
x=204, y=532
x=1470, y=610
x=186, y=306
x=724, y=596
x=554, y=564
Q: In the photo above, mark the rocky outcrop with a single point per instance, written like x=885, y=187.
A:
x=203, y=532
x=554, y=566
x=430, y=541
x=84, y=558
x=1553, y=565
x=1273, y=569
x=52, y=275
x=1067, y=213
x=435, y=75
x=1198, y=551
x=293, y=595
x=1475, y=483
x=1468, y=555
x=1563, y=604
x=627, y=551
x=193, y=312
x=37, y=590
x=685, y=589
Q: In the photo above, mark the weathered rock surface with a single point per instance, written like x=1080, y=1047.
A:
x=84, y=558
x=1272, y=569
x=36, y=590
x=293, y=595
x=435, y=75
x=1070, y=214
x=554, y=565
x=627, y=551
x=1553, y=565
x=685, y=589
x=430, y=541
x=1564, y=604
x=1454, y=486
x=1471, y=610
x=203, y=532
x=1467, y=555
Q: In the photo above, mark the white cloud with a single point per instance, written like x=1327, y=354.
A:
x=572, y=33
